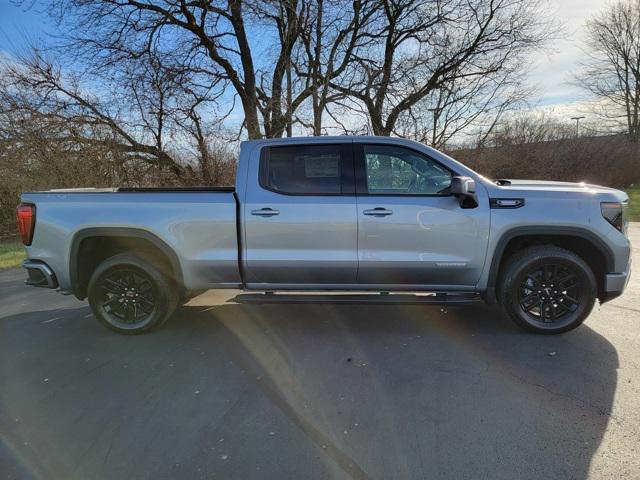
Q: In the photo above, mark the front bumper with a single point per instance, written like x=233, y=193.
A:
x=40, y=274
x=615, y=283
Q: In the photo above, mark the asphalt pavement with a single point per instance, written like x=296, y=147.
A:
x=235, y=390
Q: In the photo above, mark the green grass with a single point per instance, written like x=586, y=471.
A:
x=11, y=254
x=634, y=203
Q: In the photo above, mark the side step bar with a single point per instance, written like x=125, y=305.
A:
x=383, y=298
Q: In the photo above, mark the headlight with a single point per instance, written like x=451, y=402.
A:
x=617, y=214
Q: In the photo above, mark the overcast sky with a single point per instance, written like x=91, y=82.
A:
x=553, y=69
x=550, y=70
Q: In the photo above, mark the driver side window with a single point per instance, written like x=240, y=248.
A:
x=400, y=171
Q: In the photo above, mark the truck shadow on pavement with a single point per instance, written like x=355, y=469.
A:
x=302, y=391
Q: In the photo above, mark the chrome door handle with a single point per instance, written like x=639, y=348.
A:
x=265, y=212
x=378, y=212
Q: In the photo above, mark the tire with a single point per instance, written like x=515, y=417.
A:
x=547, y=289
x=129, y=295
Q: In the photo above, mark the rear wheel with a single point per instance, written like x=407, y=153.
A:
x=547, y=289
x=130, y=295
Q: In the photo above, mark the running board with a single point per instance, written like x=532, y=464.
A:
x=363, y=298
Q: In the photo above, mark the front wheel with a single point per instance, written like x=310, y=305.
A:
x=547, y=289
x=130, y=295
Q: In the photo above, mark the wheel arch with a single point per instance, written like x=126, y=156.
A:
x=111, y=241
x=582, y=242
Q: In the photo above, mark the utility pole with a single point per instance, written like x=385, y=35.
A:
x=577, y=119
x=434, y=127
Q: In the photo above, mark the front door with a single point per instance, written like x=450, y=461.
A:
x=411, y=230
x=300, y=216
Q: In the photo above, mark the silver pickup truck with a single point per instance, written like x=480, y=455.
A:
x=368, y=214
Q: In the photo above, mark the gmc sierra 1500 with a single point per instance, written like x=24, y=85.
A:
x=334, y=213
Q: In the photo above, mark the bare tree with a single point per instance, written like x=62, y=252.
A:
x=212, y=38
x=469, y=106
x=216, y=161
x=37, y=87
x=423, y=46
x=334, y=30
x=612, y=68
x=147, y=114
x=281, y=56
x=275, y=86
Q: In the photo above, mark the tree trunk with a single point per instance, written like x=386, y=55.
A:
x=251, y=121
x=377, y=124
x=317, y=118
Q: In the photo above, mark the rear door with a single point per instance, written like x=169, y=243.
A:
x=412, y=231
x=300, y=216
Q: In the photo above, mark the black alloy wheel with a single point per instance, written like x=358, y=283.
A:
x=131, y=295
x=128, y=295
x=547, y=289
x=550, y=292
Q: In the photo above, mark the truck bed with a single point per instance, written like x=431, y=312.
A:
x=198, y=224
x=177, y=189
x=227, y=189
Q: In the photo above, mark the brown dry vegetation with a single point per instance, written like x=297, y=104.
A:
x=32, y=161
x=607, y=160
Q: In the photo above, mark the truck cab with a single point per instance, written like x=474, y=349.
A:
x=373, y=214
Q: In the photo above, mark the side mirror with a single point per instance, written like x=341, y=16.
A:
x=465, y=189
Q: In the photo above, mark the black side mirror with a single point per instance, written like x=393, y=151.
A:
x=465, y=189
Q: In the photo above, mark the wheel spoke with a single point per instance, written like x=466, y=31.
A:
x=566, y=278
x=127, y=314
x=111, y=301
x=546, y=313
x=546, y=273
x=144, y=287
x=146, y=307
x=573, y=286
x=148, y=301
x=531, y=297
x=570, y=298
x=111, y=286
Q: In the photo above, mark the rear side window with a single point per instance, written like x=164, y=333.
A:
x=302, y=170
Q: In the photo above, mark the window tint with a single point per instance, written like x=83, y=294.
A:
x=302, y=169
x=400, y=171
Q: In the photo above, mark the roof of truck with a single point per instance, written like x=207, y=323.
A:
x=333, y=138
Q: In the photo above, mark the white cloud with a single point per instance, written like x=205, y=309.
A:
x=551, y=70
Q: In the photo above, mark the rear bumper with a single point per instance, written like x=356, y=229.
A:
x=615, y=283
x=40, y=275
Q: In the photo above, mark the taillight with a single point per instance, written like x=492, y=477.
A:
x=26, y=213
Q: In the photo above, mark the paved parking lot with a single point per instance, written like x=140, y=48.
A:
x=315, y=391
